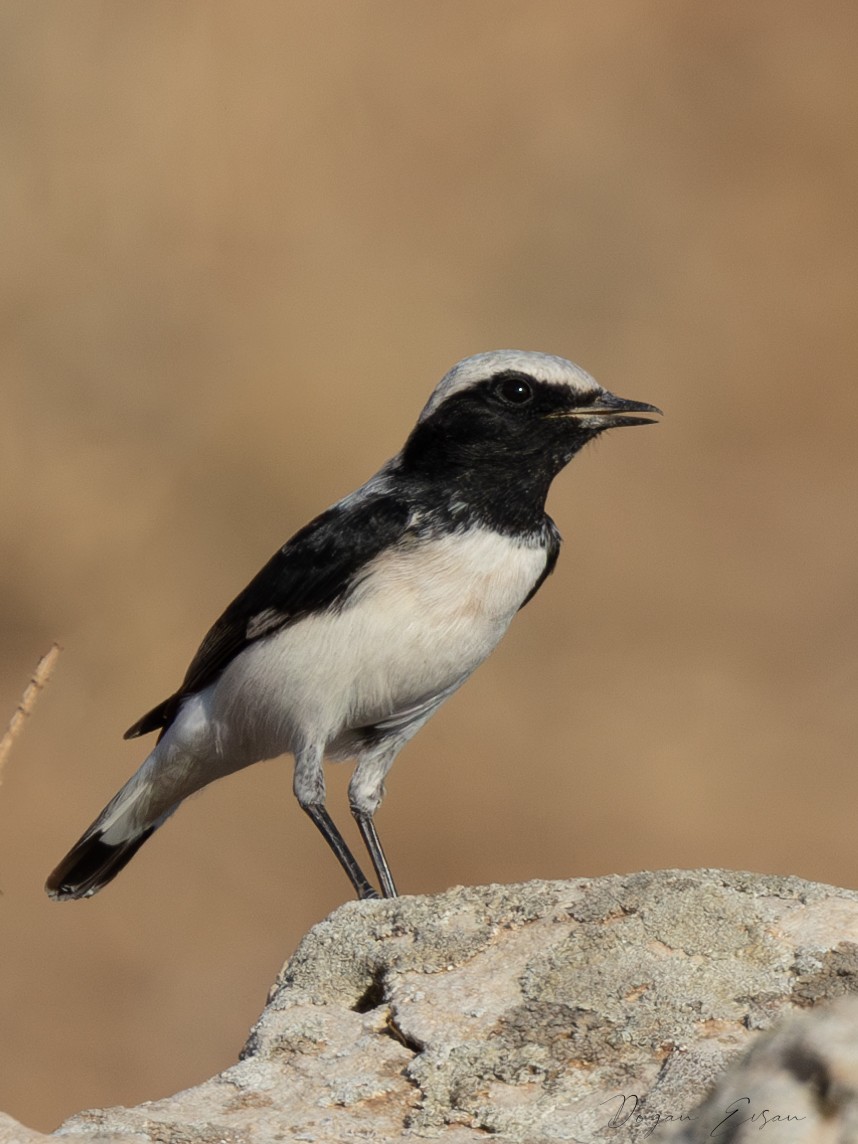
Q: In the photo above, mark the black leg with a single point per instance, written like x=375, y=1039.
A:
x=373, y=845
x=338, y=844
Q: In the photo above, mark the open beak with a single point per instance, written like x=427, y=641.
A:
x=608, y=412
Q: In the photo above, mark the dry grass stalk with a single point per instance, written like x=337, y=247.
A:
x=39, y=678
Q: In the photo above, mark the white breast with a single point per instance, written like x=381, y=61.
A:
x=422, y=619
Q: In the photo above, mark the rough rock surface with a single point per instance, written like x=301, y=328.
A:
x=798, y=1082
x=579, y=1011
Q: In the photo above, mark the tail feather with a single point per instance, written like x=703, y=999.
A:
x=135, y=812
x=92, y=863
x=110, y=843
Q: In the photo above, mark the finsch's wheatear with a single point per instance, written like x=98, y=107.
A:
x=362, y=624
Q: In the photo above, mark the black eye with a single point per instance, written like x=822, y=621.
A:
x=514, y=390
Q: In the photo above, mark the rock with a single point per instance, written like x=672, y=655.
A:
x=799, y=1082
x=11, y=1132
x=574, y=1011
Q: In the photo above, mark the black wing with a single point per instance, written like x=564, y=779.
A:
x=317, y=569
x=553, y=541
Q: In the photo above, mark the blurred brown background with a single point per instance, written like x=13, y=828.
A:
x=241, y=243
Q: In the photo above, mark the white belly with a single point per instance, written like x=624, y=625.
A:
x=423, y=618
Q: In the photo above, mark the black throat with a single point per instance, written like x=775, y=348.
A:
x=469, y=471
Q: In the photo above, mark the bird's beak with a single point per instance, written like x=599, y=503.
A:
x=609, y=412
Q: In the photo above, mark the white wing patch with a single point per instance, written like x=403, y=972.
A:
x=262, y=622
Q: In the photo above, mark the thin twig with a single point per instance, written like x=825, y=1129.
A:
x=28, y=701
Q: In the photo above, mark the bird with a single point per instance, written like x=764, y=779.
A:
x=372, y=615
